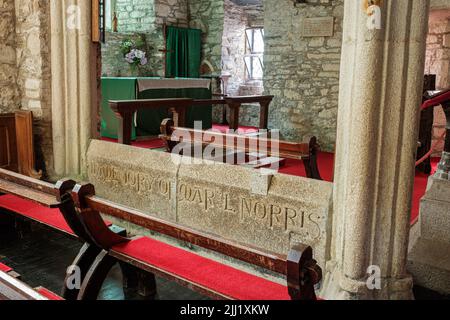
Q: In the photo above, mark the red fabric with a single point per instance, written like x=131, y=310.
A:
x=5, y=268
x=155, y=143
x=34, y=211
x=241, y=130
x=325, y=162
x=205, y=272
x=48, y=294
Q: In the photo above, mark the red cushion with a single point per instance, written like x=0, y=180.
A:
x=32, y=210
x=221, y=278
x=4, y=268
x=48, y=294
x=50, y=217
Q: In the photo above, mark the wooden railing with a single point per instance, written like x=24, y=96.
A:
x=126, y=108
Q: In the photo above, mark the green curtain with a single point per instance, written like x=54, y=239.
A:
x=184, y=52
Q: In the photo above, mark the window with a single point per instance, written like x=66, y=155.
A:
x=254, y=63
x=110, y=8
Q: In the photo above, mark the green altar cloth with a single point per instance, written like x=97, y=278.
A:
x=149, y=121
x=115, y=89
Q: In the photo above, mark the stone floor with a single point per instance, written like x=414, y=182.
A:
x=41, y=255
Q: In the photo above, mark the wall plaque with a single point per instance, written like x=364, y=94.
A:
x=318, y=27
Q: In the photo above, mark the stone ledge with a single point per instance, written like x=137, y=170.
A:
x=429, y=263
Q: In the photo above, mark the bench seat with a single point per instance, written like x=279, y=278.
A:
x=4, y=268
x=48, y=294
x=47, y=216
x=190, y=267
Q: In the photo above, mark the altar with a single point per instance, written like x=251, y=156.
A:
x=147, y=122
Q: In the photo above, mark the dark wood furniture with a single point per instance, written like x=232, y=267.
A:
x=178, y=108
x=8, y=142
x=126, y=108
x=307, y=152
x=16, y=143
x=235, y=105
x=426, y=125
x=104, y=247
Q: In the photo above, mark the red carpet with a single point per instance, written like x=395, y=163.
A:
x=242, y=130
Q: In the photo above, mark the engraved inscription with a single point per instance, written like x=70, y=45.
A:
x=247, y=208
x=141, y=183
x=318, y=27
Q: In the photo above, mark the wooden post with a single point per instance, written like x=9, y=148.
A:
x=125, y=127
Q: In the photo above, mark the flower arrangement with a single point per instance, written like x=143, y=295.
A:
x=132, y=54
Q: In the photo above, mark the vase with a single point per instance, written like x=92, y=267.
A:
x=134, y=71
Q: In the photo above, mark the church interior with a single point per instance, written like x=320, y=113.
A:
x=225, y=150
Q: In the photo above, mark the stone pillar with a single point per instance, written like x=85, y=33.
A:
x=73, y=80
x=380, y=95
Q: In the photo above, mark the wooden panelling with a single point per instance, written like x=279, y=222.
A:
x=8, y=145
x=25, y=145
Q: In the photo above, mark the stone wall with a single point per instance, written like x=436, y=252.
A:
x=34, y=74
x=438, y=62
x=114, y=64
x=134, y=16
x=208, y=15
x=172, y=12
x=145, y=20
x=9, y=96
x=438, y=48
x=233, y=45
x=25, y=76
x=302, y=73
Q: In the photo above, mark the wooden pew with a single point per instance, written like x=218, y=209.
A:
x=16, y=143
x=4, y=268
x=11, y=288
x=178, y=107
x=307, y=152
x=80, y=207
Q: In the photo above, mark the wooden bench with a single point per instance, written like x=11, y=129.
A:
x=81, y=211
x=11, y=288
x=178, y=108
x=248, y=145
x=16, y=143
